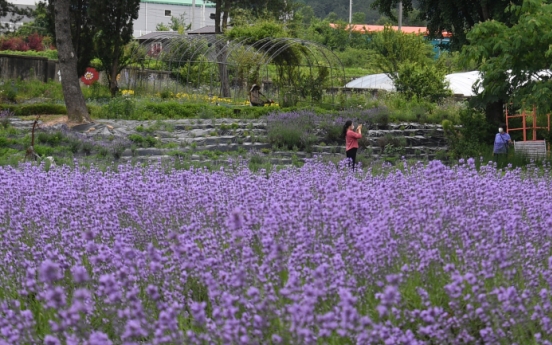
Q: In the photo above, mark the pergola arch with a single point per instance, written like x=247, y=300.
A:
x=218, y=66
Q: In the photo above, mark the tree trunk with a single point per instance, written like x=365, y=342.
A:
x=225, y=17
x=113, y=87
x=222, y=58
x=218, y=9
x=74, y=100
x=495, y=113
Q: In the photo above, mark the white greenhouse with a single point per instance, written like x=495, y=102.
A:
x=459, y=83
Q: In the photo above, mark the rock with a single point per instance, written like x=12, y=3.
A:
x=85, y=127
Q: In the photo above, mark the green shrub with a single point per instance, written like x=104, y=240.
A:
x=119, y=108
x=472, y=138
x=43, y=150
x=87, y=147
x=143, y=141
x=74, y=145
x=52, y=139
x=391, y=145
x=102, y=151
x=35, y=109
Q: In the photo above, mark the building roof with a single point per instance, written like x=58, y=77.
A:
x=362, y=28
x=159, y=35
x=206, y=30
x=459, y=83
x=373, y=81
x=198, y=3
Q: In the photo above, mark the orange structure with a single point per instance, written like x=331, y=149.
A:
x=365, y=29
x=524, y=127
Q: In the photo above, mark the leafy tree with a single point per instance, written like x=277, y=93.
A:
x=410, y=19
x=422, y=81
x=306, y=13
x=114, y=22
x=339, y=38
x=332, y=17
x=275, y=8
x=359, y=18
x=408, y=60
x=72, y=94
x=161, y=27
x=39, y=24
x=455, y=16
x=179, y=24
x=257, y=8
x=82, y=31
x=393, y=48
x=512, y=58
x=322, y=8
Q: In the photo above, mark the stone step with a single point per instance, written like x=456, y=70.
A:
x=216, y=140
x=152, y=151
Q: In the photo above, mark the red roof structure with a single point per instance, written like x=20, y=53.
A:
x=363, y=28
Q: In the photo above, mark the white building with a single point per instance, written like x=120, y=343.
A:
x=21, y=3
x=153, y=12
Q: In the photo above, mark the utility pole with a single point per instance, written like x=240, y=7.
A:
x=350, y=11
x=400, y=15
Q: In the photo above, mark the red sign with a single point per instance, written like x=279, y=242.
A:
x=90, y=76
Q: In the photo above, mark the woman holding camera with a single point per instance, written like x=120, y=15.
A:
x=351, y=140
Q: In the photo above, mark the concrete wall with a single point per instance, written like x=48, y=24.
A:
x=27, y=67
x=151, y=14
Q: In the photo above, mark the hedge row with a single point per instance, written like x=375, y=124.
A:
x=35, y=109
x=129, y=109
x=126, y=109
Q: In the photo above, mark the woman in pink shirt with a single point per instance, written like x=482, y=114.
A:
x=351, y=140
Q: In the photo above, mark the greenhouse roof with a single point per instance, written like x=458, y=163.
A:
x=460, y=83
x=198, y=3
x=373, y=81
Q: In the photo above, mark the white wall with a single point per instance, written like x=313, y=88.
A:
x=151, y=14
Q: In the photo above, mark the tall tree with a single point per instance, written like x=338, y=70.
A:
x=114, y=22
x=514, y=61
x=74, y=100
x=393, y=48
x=258, y=8
x=223, y=8
x=82, y=31
x=454, y=16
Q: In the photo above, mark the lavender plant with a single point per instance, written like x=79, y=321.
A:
x=5, y=118
x=317, y=255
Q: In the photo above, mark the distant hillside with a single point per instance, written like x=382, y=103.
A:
x=341, y=7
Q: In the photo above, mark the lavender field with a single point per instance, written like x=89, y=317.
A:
x=424, y=255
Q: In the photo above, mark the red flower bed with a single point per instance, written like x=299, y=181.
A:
x=32, y=42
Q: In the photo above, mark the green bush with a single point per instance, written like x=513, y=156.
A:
x=50, y=54
x=422, y=81
x=143, y=141
x=35, y=109
x=43, y=150
x=472, y=138
x=131, y=109
x=52, y=139
x=118, y=108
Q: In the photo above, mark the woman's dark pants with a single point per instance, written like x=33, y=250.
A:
x=352, y=155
